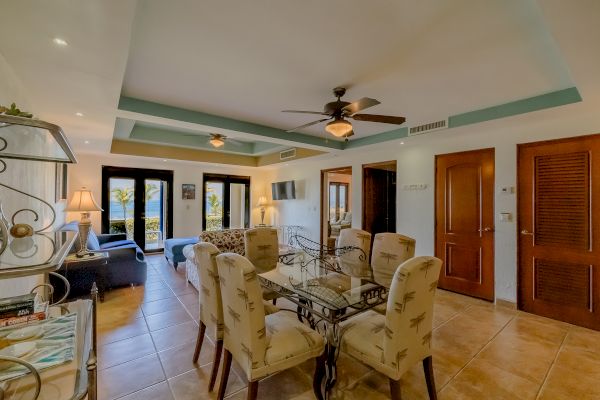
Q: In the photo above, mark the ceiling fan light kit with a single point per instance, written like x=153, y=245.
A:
x=339, y=110
x=217, y=141
x=339, y=128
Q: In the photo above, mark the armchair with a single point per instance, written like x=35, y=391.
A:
x=342, y=223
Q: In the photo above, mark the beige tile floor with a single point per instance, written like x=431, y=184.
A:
x=147, y=335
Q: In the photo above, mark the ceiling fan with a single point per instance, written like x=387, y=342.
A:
x=217, y=140
x=338, y=111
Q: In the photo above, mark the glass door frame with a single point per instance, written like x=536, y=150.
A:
x=139, y=175
x=338, y=186
x=226, y=180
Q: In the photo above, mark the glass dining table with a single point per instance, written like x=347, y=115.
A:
x=324, y=297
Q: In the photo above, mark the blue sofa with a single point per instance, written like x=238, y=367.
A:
x=126, y=263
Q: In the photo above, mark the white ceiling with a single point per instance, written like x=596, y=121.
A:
x=248, y=60
x=423, y=60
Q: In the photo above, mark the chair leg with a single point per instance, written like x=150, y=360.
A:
x=252, y=390
x=215, y=367
x=395, y=389
x=319, y=375
x=429, y=378
x=199, y=340
x=224, y=374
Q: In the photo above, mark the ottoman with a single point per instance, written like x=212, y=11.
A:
x=174, y=249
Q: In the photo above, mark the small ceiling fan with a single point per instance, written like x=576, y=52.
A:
x=339, y=111
x=217, y=140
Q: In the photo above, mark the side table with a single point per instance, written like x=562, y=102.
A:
x=82, y=272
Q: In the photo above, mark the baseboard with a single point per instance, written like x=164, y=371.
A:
x=506, y=303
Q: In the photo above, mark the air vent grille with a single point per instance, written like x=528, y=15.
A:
x=432, y=126
x=287, y=154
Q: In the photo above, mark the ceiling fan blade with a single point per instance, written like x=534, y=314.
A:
x=305, y=112
x=386, y=119
x=359, y=105
x=307, y=125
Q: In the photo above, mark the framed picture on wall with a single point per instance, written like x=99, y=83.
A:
x=60, y=182
x=188, y=191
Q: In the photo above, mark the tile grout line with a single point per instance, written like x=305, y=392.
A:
x=560, y=348
x=480, y=350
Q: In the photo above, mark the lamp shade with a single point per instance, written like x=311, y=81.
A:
x=262, y=201
x=339, y=127
x=83, y=200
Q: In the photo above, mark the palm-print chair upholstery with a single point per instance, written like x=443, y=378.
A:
x=261, y=248
x=355, y=263
x=393, y=343
x=260, y=344
x=390, y=250
x=211, y=308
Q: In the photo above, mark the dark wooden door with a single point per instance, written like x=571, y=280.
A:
x=379, y=200
x=558, y=229
x=464, y=215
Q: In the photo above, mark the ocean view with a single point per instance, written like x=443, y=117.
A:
x=116, y=211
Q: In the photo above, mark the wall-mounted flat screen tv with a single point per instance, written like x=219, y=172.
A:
x=283, y=190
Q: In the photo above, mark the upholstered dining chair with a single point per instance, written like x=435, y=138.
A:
x=261, y=248
x=390, y=250
x=211, y=308
x=402, y=337
x=260, y=344
x=355, y=263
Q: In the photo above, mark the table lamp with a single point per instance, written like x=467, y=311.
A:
x=83, y=201
x=262, y=202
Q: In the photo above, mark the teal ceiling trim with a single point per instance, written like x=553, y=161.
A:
x=177, y=138
x=260, y=147
x=548, y=100
x=378, y=138
x=197, y=117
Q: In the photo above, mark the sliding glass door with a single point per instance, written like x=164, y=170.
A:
x=226, y=202
x=139, y=203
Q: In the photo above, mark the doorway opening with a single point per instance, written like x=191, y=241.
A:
x=336, y=195
x=225, y=202
x=379, y=197
x=138, y=203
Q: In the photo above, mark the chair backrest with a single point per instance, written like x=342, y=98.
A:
x=390, y=250
x=243, y=311
x=347, y=219
x=226, y=240
x=211, y=307
x=355, y=263
x=261, y=247
x=409, y=313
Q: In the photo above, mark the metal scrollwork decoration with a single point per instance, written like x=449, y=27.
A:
x=19, y=231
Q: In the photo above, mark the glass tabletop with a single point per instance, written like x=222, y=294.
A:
x=304, y=278
x=42, y=252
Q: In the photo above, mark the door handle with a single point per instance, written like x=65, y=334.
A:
x=487, y=229
x=526, y=232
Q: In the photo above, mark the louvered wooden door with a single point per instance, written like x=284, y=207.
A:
x=558, y=229
x=464, y=217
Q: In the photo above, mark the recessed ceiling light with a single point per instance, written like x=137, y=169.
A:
x=79, y=114
x=401, y=142
x=164, y=160
x=60, y=42
x=86, y=141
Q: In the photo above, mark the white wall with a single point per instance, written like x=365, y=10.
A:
x=36, y=178
x=415, y=209
x=187, y=214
